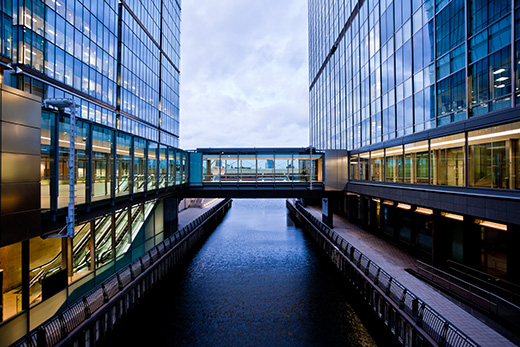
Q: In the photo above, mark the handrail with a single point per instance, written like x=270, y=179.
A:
x=434, y=324
x=482, y=298
x=453, y=266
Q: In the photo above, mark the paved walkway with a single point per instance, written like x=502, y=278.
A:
x=191, y=213
x=394, y=261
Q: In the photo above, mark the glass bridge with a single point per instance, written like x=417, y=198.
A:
x=261, y=171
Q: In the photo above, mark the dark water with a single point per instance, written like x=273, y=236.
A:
x=256, y=281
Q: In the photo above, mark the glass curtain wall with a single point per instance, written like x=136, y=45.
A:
x=103, y=241
x=364, y=164
x=211, y=168
x=12, y=279
x=123, y=164
x=103, y=139
x=139, y=164
x=265, y=167
x=447, y=160
x=82, y=251
x=247, y=167
x=163, y=166
x=171, y=167
x=45, y=261
x=184, y=167
x=493, y=157
x=82, y=161
x=394, y=164
x=82, y=174
x=178, y=168
x=152, y=165
x=377, y=166
x=354, y=167
x=416, y=162
x=283, y=167
x=229, y=168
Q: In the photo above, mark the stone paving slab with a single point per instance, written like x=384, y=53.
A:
x=191, y=213
x=394, y=261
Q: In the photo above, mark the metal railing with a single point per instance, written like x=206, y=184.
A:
x=437, y=327
x=506, y=311
x=61, y=325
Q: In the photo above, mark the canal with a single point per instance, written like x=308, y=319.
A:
x=258, y=280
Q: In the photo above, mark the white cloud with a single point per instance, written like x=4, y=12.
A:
x=244, y=74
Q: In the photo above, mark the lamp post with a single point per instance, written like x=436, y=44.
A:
x=62, y=104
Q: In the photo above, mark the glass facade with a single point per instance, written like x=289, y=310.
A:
x=381, y=70
x=118, y=59
x=105, y=159
x=259, y=168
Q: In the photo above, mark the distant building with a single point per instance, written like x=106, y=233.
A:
x=424, y=97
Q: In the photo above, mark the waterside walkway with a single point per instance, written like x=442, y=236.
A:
x=395, y=261
x=189, y=214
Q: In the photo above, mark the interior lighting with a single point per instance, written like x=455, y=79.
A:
x=423, y=210
x=395, y=151
x=499, y=134
x=404, y=206
x=500, y=86
x=493, y=225
x=388, y=202
x=452, y=216
x=498, y=71
x=413, y=148
x=503, y=78
x=444, y=143
x=376, y=200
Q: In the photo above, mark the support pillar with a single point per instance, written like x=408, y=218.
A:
x=171, y=216
x=513, y=256
x=327, y=212
x=472, y=244
x=365, y=214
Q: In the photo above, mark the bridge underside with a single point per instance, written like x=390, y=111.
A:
x=260, y=192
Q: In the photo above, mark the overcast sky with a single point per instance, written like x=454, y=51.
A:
x=244, y=74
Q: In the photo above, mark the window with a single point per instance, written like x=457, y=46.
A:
x=447, y=160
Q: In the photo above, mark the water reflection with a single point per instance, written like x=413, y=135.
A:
x=256, y=281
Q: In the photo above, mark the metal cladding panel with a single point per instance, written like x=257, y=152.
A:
x=18, y=197
x=336, y=170
x=18, y=168
x=20, y=107
x=195, y=168
x=18, y=138
x=20, y=160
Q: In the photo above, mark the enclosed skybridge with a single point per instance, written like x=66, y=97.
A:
x=256, y=173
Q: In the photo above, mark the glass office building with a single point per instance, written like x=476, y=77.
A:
x=119, y=61
x=424, y=96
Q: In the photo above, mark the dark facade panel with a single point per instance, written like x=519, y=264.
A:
x=501, y=209
x=21, y=108
x=20, y=161
x=336, y=173
x=20, y=168
x=18, y=197
x=18, y=138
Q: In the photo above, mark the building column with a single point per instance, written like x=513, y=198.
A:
x=513, y=256
x=171, y=216
x=364, y=213
x=441, y=240
x=472, y=244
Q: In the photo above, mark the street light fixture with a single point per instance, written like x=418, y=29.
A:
x=62, y=104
